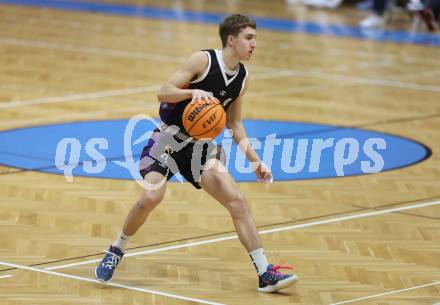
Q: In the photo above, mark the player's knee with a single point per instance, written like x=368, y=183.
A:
x=238, y=206
x=149, y=200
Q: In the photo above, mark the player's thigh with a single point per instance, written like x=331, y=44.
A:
x=217, y=182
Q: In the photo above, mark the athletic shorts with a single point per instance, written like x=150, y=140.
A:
x=168, y=155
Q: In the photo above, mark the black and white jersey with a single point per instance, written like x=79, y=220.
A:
x=225, y=84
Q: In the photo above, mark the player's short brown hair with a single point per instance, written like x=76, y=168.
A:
x=233, y=24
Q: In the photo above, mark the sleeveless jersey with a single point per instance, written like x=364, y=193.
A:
x=224, y=84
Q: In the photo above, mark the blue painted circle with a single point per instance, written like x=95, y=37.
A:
x=345, y=151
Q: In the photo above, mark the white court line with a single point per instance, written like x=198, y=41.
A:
x=84, y=279
x=280, y=229
x=270, y=93
x=102, y=94
x=261, y=76
x=188, y=245
x=90, y=50
x=6, y=276
x=75, y=116
x=335, y=51
x=380, y=82
x=386, y=293
x=79, y=97
x=91, y=95
x=351, y=79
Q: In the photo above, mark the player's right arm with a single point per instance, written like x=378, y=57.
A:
x=174, y=90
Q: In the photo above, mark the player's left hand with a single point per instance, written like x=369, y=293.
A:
x=263, y=173
x=200, y=96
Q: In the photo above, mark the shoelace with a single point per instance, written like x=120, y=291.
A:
x=280, y=265
x=112, y=261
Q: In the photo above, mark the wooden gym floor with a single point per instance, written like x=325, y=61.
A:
x=60, y=66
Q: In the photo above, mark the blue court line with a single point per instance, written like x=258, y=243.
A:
x=282, y=25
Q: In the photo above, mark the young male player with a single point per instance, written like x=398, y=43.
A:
x=215, y=76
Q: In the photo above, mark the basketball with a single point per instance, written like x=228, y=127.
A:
x=204, y=121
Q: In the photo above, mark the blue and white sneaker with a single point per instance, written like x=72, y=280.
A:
x=105, y=269
x=273, y=280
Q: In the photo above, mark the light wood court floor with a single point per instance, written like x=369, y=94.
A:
x=61, y=66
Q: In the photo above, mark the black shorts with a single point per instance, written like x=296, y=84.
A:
x=168, y=155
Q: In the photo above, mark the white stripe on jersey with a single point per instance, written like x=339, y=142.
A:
x=202, y=77
x=244, y=80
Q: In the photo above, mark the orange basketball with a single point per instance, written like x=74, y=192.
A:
x=204, y=121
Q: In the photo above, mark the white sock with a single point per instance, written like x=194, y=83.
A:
x=259, y=259
x=122, y=241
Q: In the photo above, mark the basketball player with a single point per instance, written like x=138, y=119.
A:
x=215, y=76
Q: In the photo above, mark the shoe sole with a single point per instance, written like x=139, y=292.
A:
x=280, y=285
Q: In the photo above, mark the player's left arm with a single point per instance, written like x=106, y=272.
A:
x=234, y=123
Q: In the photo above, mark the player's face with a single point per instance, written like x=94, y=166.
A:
x=245, y=43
